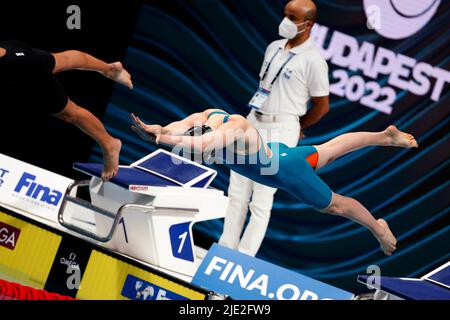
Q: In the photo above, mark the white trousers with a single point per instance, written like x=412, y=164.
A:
x=245, y=193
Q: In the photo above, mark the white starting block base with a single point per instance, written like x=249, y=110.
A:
x=152, y=223
x=146, y=212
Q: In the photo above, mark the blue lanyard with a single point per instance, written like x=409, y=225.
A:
x=291, y=55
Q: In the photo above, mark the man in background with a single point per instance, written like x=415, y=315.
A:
x=293, y=74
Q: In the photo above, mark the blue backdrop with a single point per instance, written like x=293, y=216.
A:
x=186, y=56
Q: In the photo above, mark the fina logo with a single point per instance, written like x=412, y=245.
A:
x=399, y=19
x=37, y=191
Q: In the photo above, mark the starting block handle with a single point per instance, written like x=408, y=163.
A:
x=116, y=217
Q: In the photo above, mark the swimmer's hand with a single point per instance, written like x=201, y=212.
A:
x=146, y=132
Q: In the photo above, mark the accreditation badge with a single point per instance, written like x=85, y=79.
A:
x=259, y=98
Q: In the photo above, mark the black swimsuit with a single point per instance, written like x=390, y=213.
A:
x=29, y=72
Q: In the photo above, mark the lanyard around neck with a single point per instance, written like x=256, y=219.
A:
x=291, y=55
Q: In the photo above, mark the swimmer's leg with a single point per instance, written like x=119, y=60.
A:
x=346, y=143
x=74, y=59
x=351, y=209
x=92, y=126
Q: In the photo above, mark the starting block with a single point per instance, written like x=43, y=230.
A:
x=432, y=286
x=147, y=211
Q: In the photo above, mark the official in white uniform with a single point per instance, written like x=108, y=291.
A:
x=294, y=73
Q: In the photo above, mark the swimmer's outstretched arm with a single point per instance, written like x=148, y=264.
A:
x=179, y=128
x=227, y=134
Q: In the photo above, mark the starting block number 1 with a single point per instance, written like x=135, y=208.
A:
x=122, y=221
x=180, y=239
x=183, y=239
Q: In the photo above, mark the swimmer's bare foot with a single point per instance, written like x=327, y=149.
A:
x=119, y=74
x=111, y=159
x=387, y=240
x=398, y=138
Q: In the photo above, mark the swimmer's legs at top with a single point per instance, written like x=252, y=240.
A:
x=77, y=60
x=346, y=143
x=93, y=127
x=351, y=208
x=84, y=119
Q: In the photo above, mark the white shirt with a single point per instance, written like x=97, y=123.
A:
x=303, y=77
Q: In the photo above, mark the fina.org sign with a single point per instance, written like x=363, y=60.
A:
x=378, y=71
x=243, y=277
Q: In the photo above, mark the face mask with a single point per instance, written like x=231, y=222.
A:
x=288, y=29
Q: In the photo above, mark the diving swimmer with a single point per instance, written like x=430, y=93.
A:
x=238, y=145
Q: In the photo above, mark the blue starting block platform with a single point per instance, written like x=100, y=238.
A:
x=432, y=286
x=159, y=169
x=126, y=177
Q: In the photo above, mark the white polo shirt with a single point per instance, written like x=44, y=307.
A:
x=303, y=77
